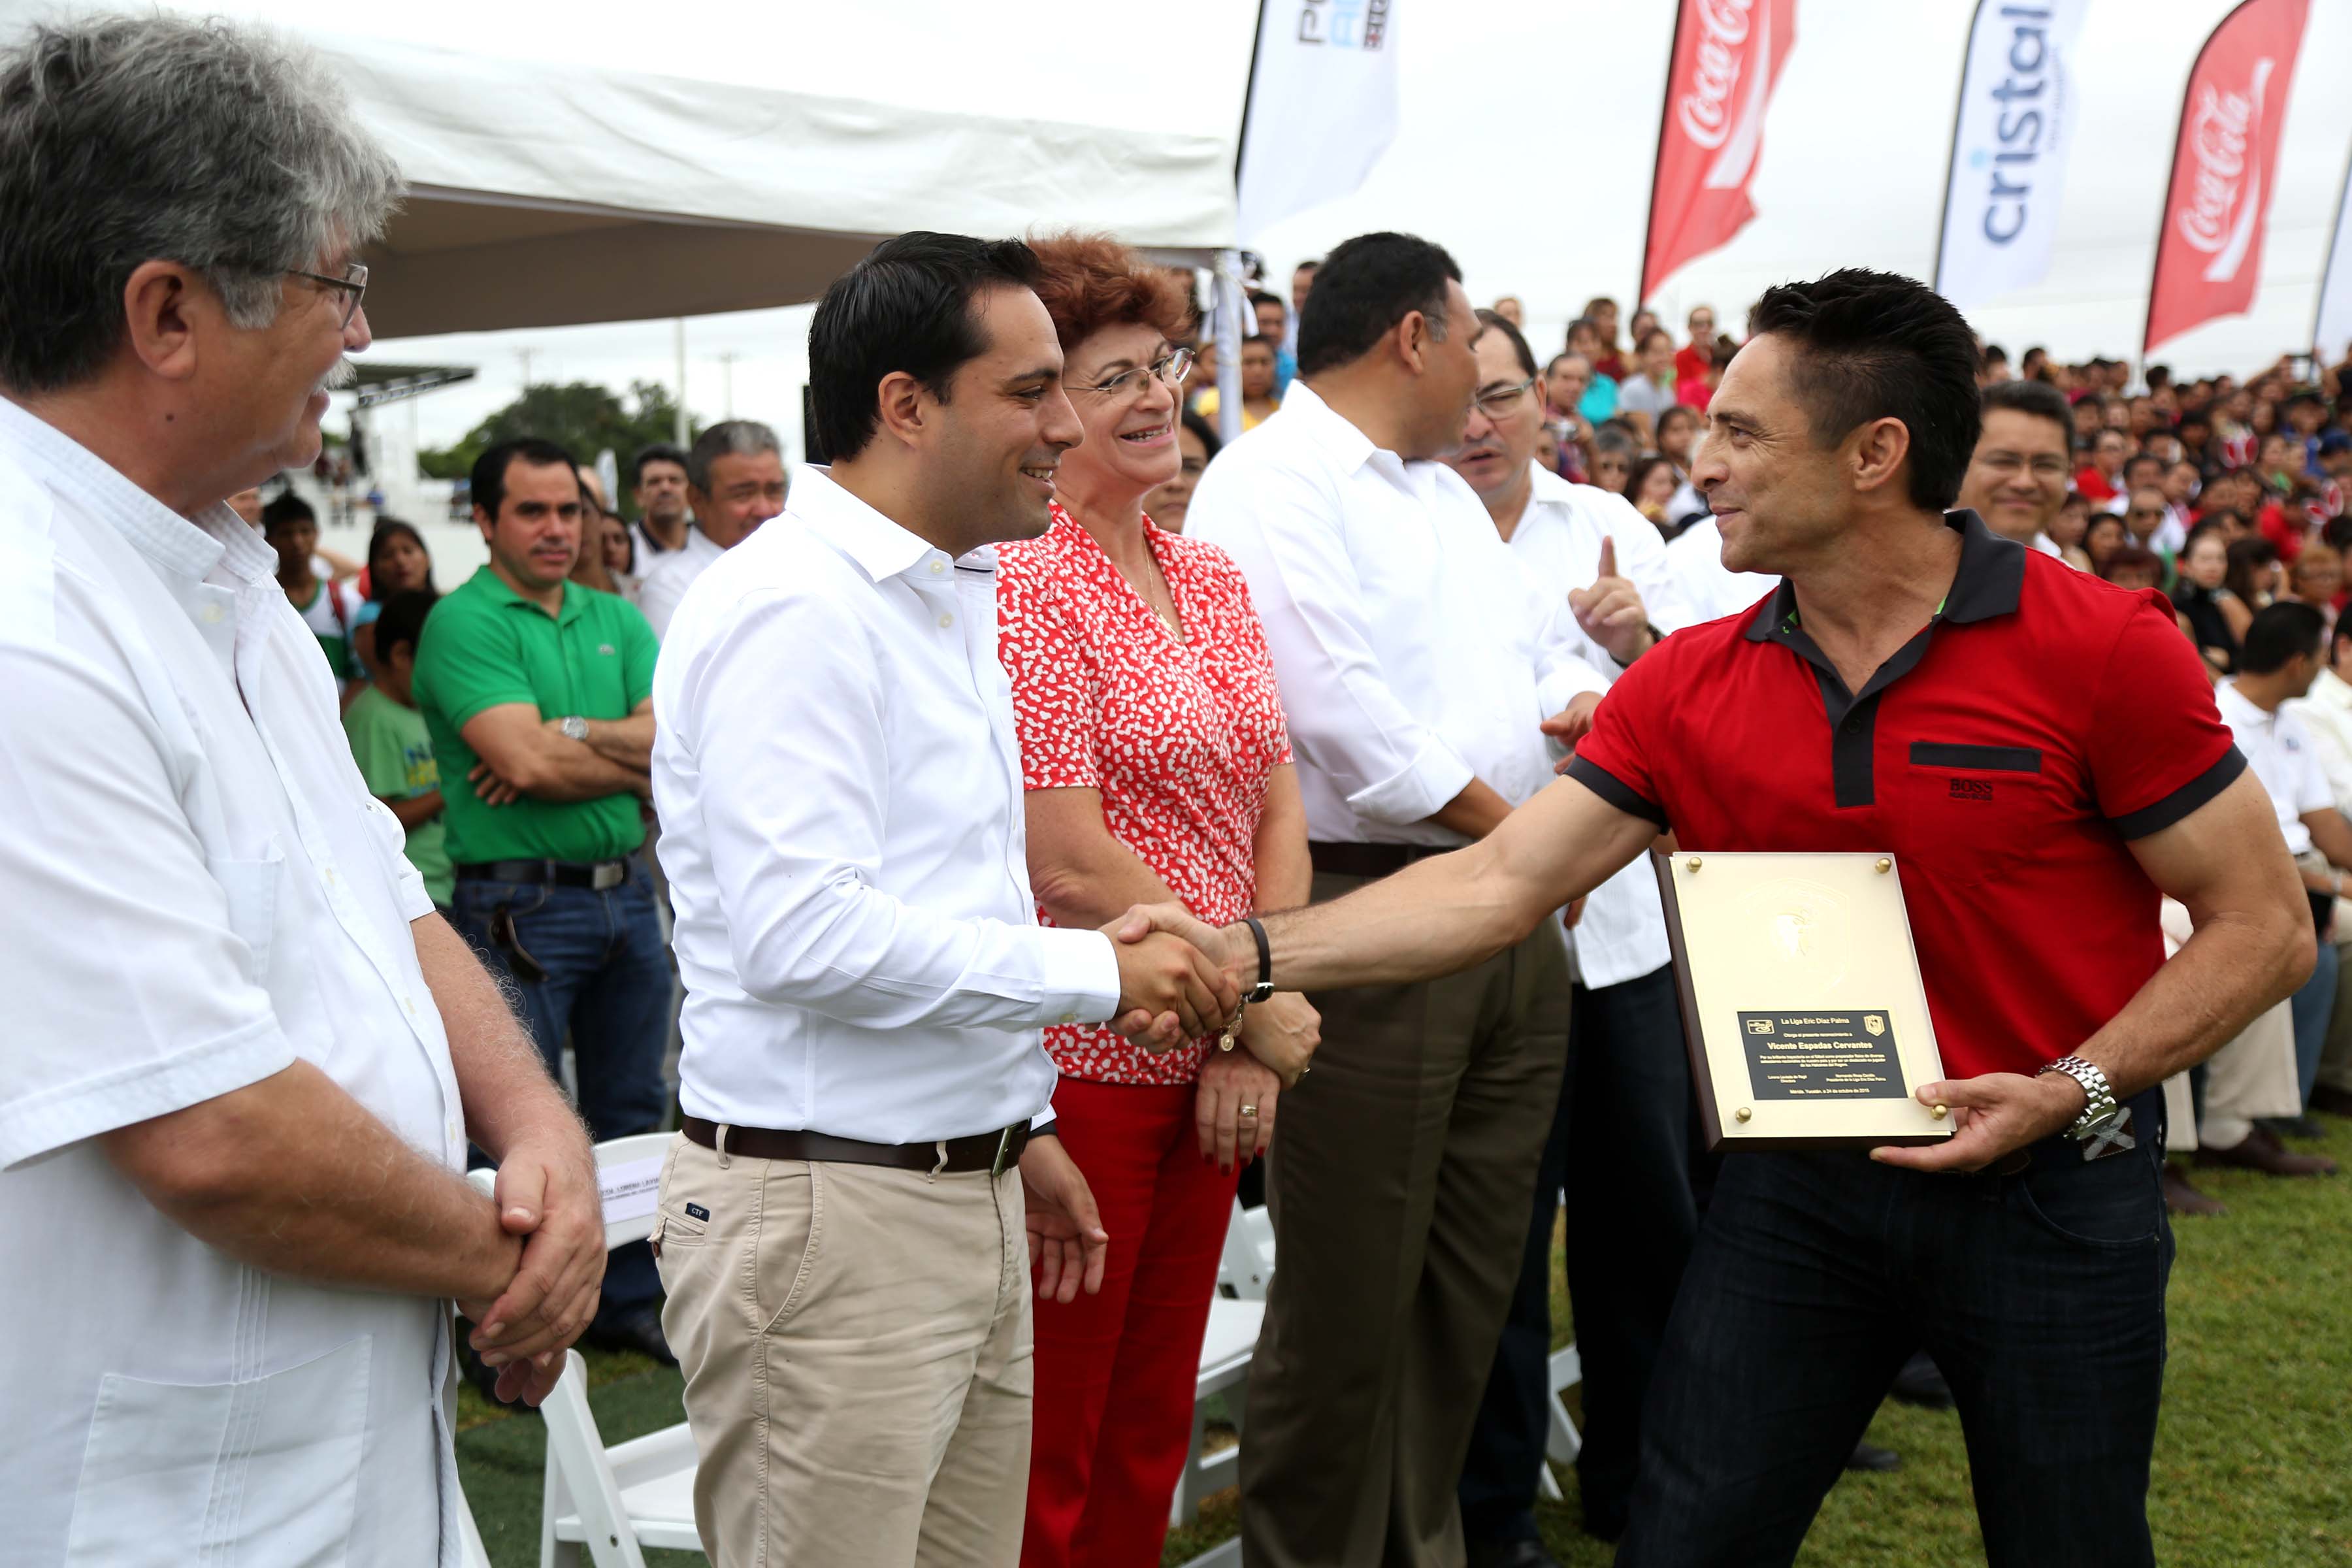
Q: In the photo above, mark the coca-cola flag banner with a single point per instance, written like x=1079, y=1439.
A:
x=1728, y=59
x=2010, y=142
x=2224, y=169
x=1322, y=105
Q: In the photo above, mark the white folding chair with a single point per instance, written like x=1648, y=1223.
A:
x=615, y=1501
x=471, y=1553
x=1235, y=1315
x=1246, y=1266
x=1563, y=1443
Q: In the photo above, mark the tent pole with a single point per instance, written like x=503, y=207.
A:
x=1227, y=304
x=683, y=438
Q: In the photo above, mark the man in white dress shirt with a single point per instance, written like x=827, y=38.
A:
x=2326, y=713
x=1421, y=671
x=735, y=479
x=245, y=1054
x=1621, y=1129
x=863, y=1077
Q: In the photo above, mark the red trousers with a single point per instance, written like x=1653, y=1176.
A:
x=1115, y=1371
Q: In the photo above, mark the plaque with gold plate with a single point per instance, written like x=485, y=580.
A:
x=1801, y=1000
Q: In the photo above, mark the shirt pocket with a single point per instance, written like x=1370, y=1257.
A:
x=251, y=888
x=265, y=1470
x=1971, y=811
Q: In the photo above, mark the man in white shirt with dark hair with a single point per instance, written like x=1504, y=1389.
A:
x=245, y=1054
x=1420, y=670
x=863, y=1076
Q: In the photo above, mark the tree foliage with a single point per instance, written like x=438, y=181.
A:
x=580, y=417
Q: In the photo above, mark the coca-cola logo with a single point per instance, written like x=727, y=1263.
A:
x=2219, y=132
x=1705, y=109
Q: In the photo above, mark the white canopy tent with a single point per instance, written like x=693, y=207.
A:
x=595, y=162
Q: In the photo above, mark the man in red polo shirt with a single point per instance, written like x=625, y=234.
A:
x=2041, y=752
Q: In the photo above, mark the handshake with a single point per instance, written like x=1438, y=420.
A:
x=1180, y=979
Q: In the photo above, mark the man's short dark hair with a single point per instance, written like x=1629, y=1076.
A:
x=488, y=483
x=1489, y=321
x=1872, y=345
x=1206, y=434
x=2278, y=633
x=2135, y=460
x=2037, y=398
x=659, y=452
x=1260, y=297
x=1995, y=354
x=287, y=508
x=1363, y=289
x=400, y=620
x=906, y=307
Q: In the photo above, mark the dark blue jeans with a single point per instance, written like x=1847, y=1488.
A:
x=2040, y=1294
x=607, y=989
x=1621, y=1146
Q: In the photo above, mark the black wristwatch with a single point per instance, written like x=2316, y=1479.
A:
x=1263, y=989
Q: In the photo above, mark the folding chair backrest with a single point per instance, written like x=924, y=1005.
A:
x=628, y=1170
x=1246, y=1265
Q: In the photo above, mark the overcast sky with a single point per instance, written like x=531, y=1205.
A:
x=1526, y=131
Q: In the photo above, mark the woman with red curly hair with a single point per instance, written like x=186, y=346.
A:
x=1156, y=763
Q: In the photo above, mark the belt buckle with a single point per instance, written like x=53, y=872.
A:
x=609, y=875
x=1004, y=1142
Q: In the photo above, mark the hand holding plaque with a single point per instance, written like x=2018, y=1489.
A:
x=1801, y=1000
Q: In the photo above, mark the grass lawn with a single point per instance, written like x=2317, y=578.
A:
x=2253, y=1462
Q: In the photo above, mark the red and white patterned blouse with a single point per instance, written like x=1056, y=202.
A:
x=1179, y=734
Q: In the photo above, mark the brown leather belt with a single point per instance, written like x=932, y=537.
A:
x=995, y=1153
x=1368, y=859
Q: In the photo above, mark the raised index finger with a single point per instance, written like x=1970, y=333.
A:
x=1609, y=557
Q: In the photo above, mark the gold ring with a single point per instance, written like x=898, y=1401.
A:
x=1249, y=1111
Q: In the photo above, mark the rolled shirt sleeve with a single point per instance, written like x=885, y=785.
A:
x=133, y=992
x=2157, y=747
x=795, y=840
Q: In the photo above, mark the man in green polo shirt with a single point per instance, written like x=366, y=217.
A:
x=537, y=693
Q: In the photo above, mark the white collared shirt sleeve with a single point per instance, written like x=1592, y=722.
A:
x=782, y=707
x=2330, y=726
x=1344, y=717
x=132, y=988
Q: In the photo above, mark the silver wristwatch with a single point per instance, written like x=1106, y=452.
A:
x=575, y=728
x=2099, y=1106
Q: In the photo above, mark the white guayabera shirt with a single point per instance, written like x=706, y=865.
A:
x=195, y=891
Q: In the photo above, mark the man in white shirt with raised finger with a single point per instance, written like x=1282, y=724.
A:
x=1623, y=1120
x=1420, y=670
x=245, y=1054
x=867, y=1167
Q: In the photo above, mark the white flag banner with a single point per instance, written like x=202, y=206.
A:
x=1322, y=105
x=2334, y=333
x=2010, y=144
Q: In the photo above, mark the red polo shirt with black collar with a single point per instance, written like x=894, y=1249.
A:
x=2005, y=756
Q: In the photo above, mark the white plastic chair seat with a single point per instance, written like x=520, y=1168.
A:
x=1227, y=1343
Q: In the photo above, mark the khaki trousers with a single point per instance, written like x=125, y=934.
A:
x=2335, y=1062
x=856, y=1350
x=1400, y=1185
x=2253, y=1076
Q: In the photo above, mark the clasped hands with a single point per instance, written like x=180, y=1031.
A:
x=548, y=1199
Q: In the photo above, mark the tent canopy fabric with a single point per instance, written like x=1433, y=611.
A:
x=651, y=179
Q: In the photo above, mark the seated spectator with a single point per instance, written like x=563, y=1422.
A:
x=1650, y=487
x=2101, y=479
x=2281, y=662
x=2085, y=415
x=735, y=481
x=2254, y=574
x=1572, y=375
x=397, y=563
x=1995, y=368
x=1642, y=397
x=2326, y=711
x=2134, y=566
x=1608, y=359
x=1274, y=326
x=2217, y=618
x=392, y=747
x=1679, y=429
x=2144, y=513
x=1196, y=440
x=2103, y=536
x=2317, y=578
x=328, y=608
x=1512, y=310
x=1609, y=465
x=1695, y=358
x=1258, y=399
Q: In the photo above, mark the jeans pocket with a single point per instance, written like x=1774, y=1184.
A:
x=2112, y=1209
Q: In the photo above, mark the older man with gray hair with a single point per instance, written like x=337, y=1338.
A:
x=735, y=481
x=245, y=1054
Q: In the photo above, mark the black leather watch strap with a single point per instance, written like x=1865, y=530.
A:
x=1265, y=986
